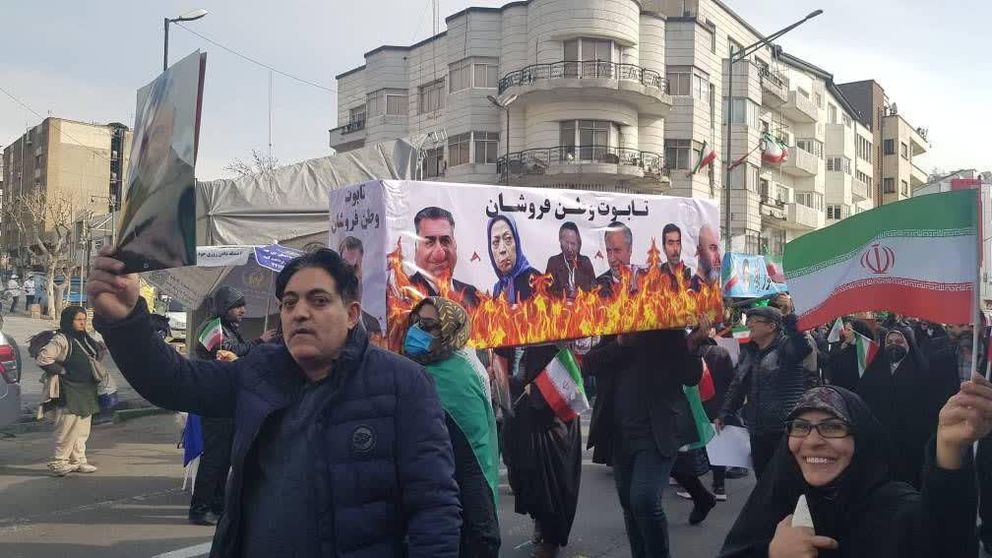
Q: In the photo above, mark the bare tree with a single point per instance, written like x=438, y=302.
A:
x=45, y=222
x=260, y=164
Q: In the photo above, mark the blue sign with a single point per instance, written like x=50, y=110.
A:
x=746, y=276
x=274, y=256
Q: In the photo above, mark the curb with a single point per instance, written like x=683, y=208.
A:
x=127, y=410
x=125, y=415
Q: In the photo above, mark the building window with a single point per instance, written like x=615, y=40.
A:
x=752, y=242
x=734, y=46
x=712, y=28
x=864, y=149
x=846, y=119
x=486, y=147
x=812, y=146
x=746, y=112
x=397, y=105
x=818, y=99
x=460, y=76
x=385, y=101
x=839, y=164
x=458, y=149
x=834, y=212
x=905, y=187
x=433, y=164
x=888, y=185
x=831, y=114
x=480, y=73
x=812, y=200
x=432, y=96
x=587, y=140
x=678, y=154
x=746, y=176
x=688, y=80
x=889, y=147
x=587, y=50
x=904, y=149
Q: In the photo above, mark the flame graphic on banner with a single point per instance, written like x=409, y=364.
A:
x=647, y=300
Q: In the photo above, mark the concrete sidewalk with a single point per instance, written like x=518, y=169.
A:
x=21, y=327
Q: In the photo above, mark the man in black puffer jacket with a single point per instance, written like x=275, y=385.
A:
x=340, y=448
x=771, y=375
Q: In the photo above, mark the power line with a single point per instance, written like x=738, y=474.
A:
x=42, y=117
x=256, y=62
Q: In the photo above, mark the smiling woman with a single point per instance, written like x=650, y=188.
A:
x=836, y=454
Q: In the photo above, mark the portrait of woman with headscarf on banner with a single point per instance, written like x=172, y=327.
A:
x=513, y=271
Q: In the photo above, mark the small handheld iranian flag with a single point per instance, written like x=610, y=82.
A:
x=212, y=335
x=835, y=332
x=867, y=350
x=561, y=385
x=741, y=334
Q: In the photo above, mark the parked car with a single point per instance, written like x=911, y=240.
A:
x=10, y=379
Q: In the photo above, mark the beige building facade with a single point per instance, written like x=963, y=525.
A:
x=619, y=95
x=84, y=164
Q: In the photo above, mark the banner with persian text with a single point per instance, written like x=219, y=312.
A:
x=531, y=265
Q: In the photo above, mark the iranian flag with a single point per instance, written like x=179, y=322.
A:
x=742, y=334
x=835, y=331
x=867, y=350
x=706, y=157
x=917, y=257
x=561, y=385
x=212, y=335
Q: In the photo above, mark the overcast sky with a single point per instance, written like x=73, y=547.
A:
x=84, y=60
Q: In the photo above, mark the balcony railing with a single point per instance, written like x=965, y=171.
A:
x=859, y=189
x=537, y=161
x=593, y=69
x=353, y=126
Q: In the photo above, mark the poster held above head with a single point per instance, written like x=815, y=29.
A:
x=158, y=214
x=531, y=265
x=746, y=276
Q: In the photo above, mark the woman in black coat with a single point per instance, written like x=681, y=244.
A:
x=835, y=456
x=906, y=395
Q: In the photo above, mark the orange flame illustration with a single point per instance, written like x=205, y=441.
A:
x=641, y=301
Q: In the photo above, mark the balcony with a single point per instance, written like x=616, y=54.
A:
x=349, y=136
x=800, y=109
x=859, y=190
x=775, y=87
x=802, y=218
x=918, y=177
x=617, y=162
x=592, y=80
x=801, y=163
x=772, y=208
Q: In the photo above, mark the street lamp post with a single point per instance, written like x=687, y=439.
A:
x=734, y=58
x=504, y=105
x=189, y=16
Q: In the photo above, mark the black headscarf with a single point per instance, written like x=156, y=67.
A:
x=835, y=507
x=65, y=327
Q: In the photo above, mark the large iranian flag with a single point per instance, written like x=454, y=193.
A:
x=917, y=257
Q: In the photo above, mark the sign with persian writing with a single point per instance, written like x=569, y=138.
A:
x=531, y=265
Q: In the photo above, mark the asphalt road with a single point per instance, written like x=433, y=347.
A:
x=133, y=506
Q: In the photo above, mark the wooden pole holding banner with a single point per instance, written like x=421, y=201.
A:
x=977, y=288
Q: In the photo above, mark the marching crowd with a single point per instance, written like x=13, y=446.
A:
x=337, y=447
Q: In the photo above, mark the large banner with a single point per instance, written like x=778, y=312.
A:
x=530, y=265
x=746, y=276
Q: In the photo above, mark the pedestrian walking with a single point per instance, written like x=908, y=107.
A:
x=640, y=419
x=542, y=452
x=207, y=504
x=13, y=292
x=339, y=446
x=771, y=376
x=29, y=292
x=721, y=368
x=436, y=337
x=835, y=456
x=73, y=357
x=906, y=395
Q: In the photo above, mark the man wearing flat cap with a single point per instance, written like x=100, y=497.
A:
x=770, y=375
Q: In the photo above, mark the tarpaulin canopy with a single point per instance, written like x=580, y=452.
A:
x=291, y=202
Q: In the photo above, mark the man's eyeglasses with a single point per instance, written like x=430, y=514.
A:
x=753, y=321
x=800, y=428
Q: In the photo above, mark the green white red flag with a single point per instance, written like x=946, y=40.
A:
x=212, y=335
x=741, y=334
x=917, y=257
x=560, y=383
x=867, y=351
x=836, y=331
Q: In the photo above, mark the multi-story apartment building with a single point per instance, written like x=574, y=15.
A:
x=898, y=144
x=618, y=95
x=76, y=161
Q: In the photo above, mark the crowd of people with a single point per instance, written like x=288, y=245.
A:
x=338, y=447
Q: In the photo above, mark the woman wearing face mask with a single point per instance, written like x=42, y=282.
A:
x=436, y=337
x=508, y=260
x=906, y=395
x=835, y=455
